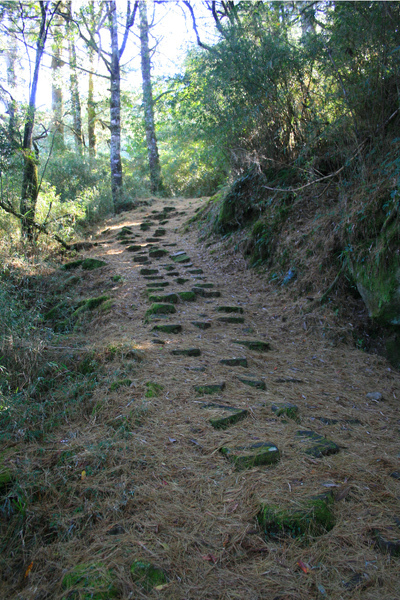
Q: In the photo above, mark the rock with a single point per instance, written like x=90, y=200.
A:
x=322, y=447
x=205, y=294
x=169, y=267
x=257, y=346
x=155, y=341
x=230, y=309
x=196, y=272
x=253, y=455
x=181, y=280
x=253, y=382
x=212, y=388
x=154, y=278
x=141, y=260
x=145, y=226
x=374, y=396
x=223, y=416
x=88, y=264
x=286, y=409
x=187, y=296
x=116, y=530
x=157, y=253
x=395, y=474
x=186, y=352
x=170, y=298
x=204, y=285
x=391, y=547
x=234, y=362
x=201, y=324
x=158, y=284
x=148, y=271
x=160, y=309
x=180, y=258
x=133, y=248
x=168, y=328
x=160, y=232
x=235, y=320
x=313, y=517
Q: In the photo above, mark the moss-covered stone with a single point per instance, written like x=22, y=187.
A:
x=223, y=416
x=160, y=232
x=321, y=447
x=234, y=362
x=133, y=248
x=168, y=328
x=253, y=455
x=286, y=409
x=181, y=280
x=202, y=324
x=205, y=293
x=120, y=383
x=187, y=296
x=146, y=271
x=235, y=320
x=180, y=257
x=230, y=309
x=169, y=298
x=154, y=277
x=92, y=263
x=145, y=226
x=90, y=581
x=196, y=271
x=73, y=264
x=255, y=345
x=253, y=382
x=212, y=388
x=205, y=286
x=90, y=304
x=158, y=284
x=147, y=575
x=157, y=253
x=169, y=267
x=153, y=390
x=186, y=352
x=314, y=517
x=160, y=309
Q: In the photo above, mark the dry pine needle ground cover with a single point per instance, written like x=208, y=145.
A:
x=137, y=474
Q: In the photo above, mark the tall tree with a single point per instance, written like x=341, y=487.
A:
x=74, y=87
x=57, y=99
x=30, y=184
x=148, y=104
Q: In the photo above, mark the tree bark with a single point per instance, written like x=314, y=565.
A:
x=91, y=106
x=57, y=99
x=156, y=184
x=75, y=99
x=30, y=186
x=115, y=111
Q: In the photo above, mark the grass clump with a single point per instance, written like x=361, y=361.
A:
x=153, y=390
x=120, y=383
x=90, y=581
x=147, y=575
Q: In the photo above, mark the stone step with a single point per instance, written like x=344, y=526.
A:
x=286, y=409
x=160, y=232
x=201, y=324
x=134, y=248
x=223, y=415
x=204, y=293
x=321, y=447
x=231, y=319
x=186, y=352
x=160, y=309
x=253, y=382
x=158, y=284
x=204, y=285
x=181, y=280
x=255, y=345
x=196, y=271
x=210, y=388
x=157, y=253
x=168, y=328
x=180, y=258
x=230, y=309
x=234, y=362
x=146, y=271
x=153, y=277
x=187, y=296
x=253, y=455
x=169, y=298
x=142, y=260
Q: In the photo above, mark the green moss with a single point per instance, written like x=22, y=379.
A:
x=286, y=409
x=6, y=475
x=170, y=298
x=212, y=388
x=120, y=383
x=230, y=309
x=133, y=248
x=168, y=328
x=321, y=447
x=253, y=455
x=180, y=258
x=74, y=264
x=225, y=416
x=315, y=517
x=57, y=312
x=92, y=263
x=106, y=306
x=153, y=390
x=255, y=383
x=181, y=280
x=160, y=309
x=187, y=296
x=201, y=324
x=146, y=271
x=147, y=575
x=91, y=581
x=157, y=253
x=116, y=278
x=234, y=362
x=90, y=304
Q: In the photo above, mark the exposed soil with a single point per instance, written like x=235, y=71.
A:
x=165, y=493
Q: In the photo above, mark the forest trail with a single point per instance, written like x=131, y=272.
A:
x=167, y=495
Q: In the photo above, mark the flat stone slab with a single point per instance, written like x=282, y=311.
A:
x=168, y=328
x=169, y=267
x=253, y=382
x=154, y=277
x=181, y=280
x=186, y=352
x=286, y=409
x=141, y=260
x=133, y=248
x=148, y=271
x=234, y=362
x=253, y=455
x=223, y=416
x=202, y=324
x=157, y=253
x=255, y=345
x=160, y=309
x=145, y=226
x=230, y=309
x=205, y=286
x=204, y=293
x=159, y=232
x=158, y=284
x=187, y=296
x=321, y=446
x=235, y=320
x=196, y=272
x=170, y=298
x=210, y=388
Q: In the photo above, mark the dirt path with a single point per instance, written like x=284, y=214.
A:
x=167, y=494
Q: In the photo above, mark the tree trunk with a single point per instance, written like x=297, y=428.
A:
x=57, y=97
x=151, y=140
x=91, y=110
x=75, y=99
x=11, y=58
x=115, y=111
x=30, y=187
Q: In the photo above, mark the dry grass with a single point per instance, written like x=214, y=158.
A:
x=151, y=465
